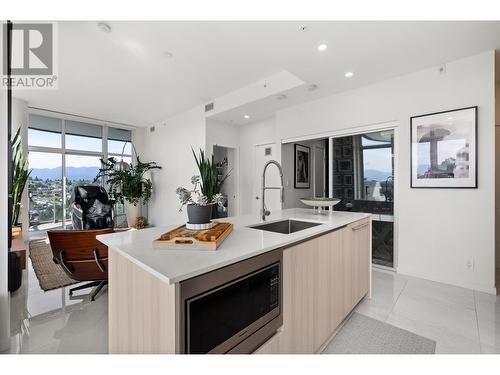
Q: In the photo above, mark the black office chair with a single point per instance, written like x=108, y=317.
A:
x=91, y=208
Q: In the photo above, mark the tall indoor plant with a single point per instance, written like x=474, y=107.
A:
x=206, y=191
x=20, y=175
x=127, y=185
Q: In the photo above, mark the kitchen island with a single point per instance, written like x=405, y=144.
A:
x=324, y=271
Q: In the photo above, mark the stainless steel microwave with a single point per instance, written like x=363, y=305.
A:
x=234, y=309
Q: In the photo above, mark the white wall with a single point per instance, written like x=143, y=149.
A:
x=292, y=195
x=251, y=135
x=222, y=134
x=439, y=229
x=170, y=146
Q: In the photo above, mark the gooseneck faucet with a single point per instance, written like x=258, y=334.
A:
x=264, y=212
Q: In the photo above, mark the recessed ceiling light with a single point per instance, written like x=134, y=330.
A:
x=312, y=87
x=322, y=47
x=168, y=54
x=246, y=116
x=281, y=97
x=104, y=27
x=349, y=74
x=450, y=118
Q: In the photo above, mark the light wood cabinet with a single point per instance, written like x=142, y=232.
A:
x=323, y=279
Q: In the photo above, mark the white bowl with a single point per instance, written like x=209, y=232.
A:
x=320, y=202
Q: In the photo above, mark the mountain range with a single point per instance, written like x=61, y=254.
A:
x=72, y=173
x=376, y=175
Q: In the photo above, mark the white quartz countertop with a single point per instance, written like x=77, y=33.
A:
x=173, y=266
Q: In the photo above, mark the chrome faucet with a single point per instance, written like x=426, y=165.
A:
x=264, y=212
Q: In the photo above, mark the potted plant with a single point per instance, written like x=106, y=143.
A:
x=20, y=175
x=206, y=192
x=127, y=185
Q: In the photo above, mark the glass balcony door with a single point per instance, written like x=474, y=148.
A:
x=79, y=170
x=64, y=153
x=45, y=186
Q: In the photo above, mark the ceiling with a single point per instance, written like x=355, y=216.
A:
x=125, y=76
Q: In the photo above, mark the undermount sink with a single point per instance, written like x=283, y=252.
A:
x=285, y=226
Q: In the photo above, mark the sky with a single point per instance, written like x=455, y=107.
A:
x=51, y=160
x=379, y=159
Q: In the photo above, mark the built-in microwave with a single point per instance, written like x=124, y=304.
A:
x=234, y=309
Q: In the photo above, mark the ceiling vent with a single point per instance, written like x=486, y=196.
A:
x=209, y=107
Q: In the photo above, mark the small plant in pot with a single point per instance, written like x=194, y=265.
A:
x=199, y=206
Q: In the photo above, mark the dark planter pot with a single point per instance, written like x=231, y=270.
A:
x=199, y=214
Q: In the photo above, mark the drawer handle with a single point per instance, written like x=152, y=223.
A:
x=360, y=226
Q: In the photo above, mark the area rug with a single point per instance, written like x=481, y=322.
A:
x=49, y=274
x=364, y=335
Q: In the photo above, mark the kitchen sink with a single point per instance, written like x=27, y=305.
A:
x=285, y=226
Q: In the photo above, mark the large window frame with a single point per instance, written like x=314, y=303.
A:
x=63, y=151
x=361, y=194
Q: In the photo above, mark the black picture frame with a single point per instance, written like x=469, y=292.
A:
x=445, y=183
x=302, y=167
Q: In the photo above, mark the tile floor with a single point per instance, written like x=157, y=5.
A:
x=50, y=322
x=460, y=320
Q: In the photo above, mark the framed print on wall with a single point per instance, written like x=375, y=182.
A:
x=301, y=166
x=444, y=149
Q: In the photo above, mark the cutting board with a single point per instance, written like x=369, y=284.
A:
x=182, y=238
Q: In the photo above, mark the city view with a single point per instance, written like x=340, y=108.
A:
x=46, y=192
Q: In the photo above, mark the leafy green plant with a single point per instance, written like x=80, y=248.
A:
x=127, y=185
x=20, y=175
x=211, y=183
x=194, y=196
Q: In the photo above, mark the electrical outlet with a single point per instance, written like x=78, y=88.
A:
x=469, y=264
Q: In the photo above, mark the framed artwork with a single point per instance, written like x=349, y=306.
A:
x=345, y=165
x=444, y=149
x=302, y=159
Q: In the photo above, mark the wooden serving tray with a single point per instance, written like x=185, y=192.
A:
x=182, y=238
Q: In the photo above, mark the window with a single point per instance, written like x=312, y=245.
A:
x=44, y=131
x=80, y=170
x=54, y=143
x=117, y=139
x=377, y=166
x=82, y=136
x=45, y=189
